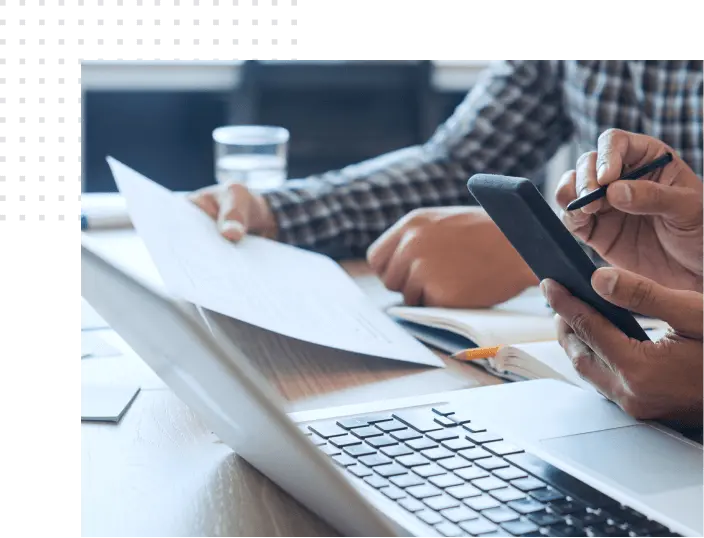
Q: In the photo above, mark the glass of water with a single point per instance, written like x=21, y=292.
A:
x=252, y=155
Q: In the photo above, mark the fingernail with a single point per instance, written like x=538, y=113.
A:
x=601, y=171
x=604, y=280
x=544, y=287
x=621, y=192
x=232, y=229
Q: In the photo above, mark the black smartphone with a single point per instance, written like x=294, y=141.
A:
x=528, y=222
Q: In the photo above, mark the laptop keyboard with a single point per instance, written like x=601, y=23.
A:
x=460, y=478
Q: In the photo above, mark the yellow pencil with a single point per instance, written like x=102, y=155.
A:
x=475, y=353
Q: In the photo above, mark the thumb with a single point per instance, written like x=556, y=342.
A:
x=681, y=309
x=233, y=214
x=681, y=205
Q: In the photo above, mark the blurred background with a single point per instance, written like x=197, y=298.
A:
x=158, y=117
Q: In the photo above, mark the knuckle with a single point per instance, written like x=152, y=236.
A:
x=610, y=134
x=582, y=362
x=581, y=325
x=641, y=295
x=584, y=158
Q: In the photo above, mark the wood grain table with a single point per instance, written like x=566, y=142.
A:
x=160, y=472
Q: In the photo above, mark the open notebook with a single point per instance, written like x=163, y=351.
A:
x=524, y=325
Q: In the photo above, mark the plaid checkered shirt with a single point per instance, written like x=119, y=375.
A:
x=512, y=122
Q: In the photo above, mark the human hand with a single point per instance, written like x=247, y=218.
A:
x=648, y=380
x=451, y=257
x=236, y=210
x=652, y=226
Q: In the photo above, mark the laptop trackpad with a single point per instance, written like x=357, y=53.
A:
x=639, y=458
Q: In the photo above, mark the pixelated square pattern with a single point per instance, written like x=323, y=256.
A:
x=31, y=167
x=167, y=32
x=3, y=71
x=68, y=168
x=3, y=32
x=4, y=157
x=32, y=72
x=264, y=31
x=4, y=209
x=68, y=77
x=264, y=3
x=32, y=32
x=32, y=208
x=71, y=32
x=295, y=32
x=68, y=207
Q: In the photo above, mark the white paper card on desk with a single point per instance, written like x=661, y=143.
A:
x=106, y=403
x=278, y=287
x=94, y=346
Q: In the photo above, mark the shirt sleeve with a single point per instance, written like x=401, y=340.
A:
x=511, y=123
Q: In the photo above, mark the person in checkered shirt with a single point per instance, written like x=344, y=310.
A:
x=410, y=212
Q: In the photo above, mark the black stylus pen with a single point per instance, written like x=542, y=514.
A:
x=633, y=174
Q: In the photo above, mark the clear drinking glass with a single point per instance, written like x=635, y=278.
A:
x=253, y=155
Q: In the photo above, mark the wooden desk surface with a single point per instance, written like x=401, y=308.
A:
x=161, y=473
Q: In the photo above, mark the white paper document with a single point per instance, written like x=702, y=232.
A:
x=280, y=288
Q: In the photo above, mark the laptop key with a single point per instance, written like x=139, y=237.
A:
x=543, y=518
x=304, y=429
x=411, y=504
x=459, y=514
x=528, y=484
x=443, y=410
x=366, y=431
x=391, y=469
x=563, y=529
x=441, y=502
x=566, y=506
x=454, y=463
x=561, y=480
x=509, y=473
x=429, y=516
x=420, y=420
x=588, y=518
x=372, y=460
x=421, y=444
x=358, y=450
x=481, y=502
x=502, y=448
x=391, y=426
x=479, y=526
x=406, y=480
x=412, y=460
x=330, y=450
x=446, y=480
x=546, y=494
x=470, y=473
x=394, y=451
x=406, y=434
x=474, y=427
x=464, y=491
x=375, y=481
x=429, y=470
x=446, y=422
x=316, y=440
x=351, y=423
x=507, y=494
x=483, y=437
x=489, y=483
x=449, y=529
x=327, y=429
x=424, y=491
x=438, y=453
x=443, y=435
x=457, y=444
x=359, y=470
x=491, y=463
x=526, y=505
x=520, y=527
x=393, y=493
x=500, y=514
x=475, y=453
x=383, y=440
x=345, y=440
x=344, y=460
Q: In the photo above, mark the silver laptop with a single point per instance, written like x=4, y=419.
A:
x=535, y=458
